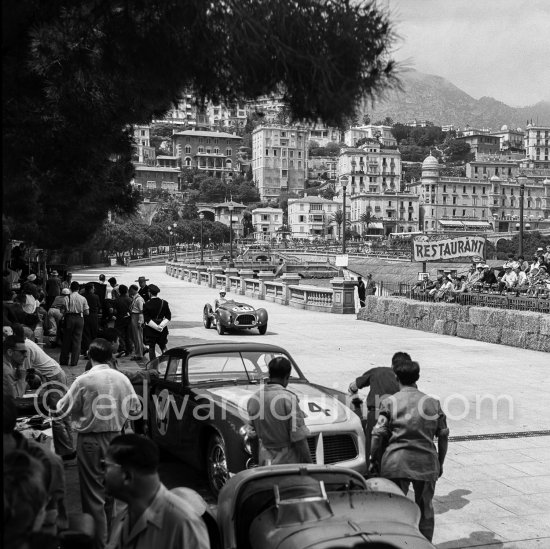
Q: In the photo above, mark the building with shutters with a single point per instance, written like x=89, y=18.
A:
x=211, y=152
x=459, y=204
x=279, y=160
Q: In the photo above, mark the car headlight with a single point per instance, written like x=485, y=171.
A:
x=248, y=440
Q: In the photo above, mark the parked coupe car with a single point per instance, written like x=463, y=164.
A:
x=318, y=507
x=232, y=315
x=196, y=409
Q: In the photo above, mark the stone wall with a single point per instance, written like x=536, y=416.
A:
x=524, y=329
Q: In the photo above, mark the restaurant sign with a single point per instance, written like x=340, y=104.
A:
x=425, y=248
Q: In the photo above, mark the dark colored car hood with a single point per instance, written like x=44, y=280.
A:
x=236, y=307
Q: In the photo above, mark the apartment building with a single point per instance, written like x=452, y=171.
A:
x=482, y=143
x=143, y=152
x=279, y=160
x=487, y=165
x=324, y=134
x=313, y=217
x=157, y=178
x=510, y=139
x=267, y=222
x=537, y=146
x=211, y=152
x=322, y=167
x=450, y=204
x=381, y=133
x=372, y=167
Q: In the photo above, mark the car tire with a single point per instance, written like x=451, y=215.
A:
x=216, y=464
x=220, y=328
x=262, y=329
x=206, y=319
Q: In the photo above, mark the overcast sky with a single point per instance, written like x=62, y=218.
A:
x=496, y=48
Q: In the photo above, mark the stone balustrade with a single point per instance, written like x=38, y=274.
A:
x=312, y=298
x=285, y=290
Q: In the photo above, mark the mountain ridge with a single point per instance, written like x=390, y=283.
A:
x=434, y=98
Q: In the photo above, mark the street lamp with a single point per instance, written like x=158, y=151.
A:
x=231, y=264
x=344, y=181
x=201, y=217
x=521, y=192
x=169, y=243
x=175, y=245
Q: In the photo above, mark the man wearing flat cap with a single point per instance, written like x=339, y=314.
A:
x=156, y=315
x=143, y=288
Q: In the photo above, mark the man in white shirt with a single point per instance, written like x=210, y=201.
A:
x=100, y=401
x=508, y=280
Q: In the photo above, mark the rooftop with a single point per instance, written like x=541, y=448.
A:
x=202, y=133
x=156, y=169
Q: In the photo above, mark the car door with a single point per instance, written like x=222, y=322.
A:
x=159, y=402
x=174, y=403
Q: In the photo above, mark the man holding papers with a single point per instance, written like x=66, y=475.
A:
x=156, y=315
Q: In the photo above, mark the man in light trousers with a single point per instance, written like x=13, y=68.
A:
x=100, y=402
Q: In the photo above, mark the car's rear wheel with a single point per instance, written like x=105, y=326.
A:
x=206, y=319
x=262, y=329
x=216, y=464
x=220, y=328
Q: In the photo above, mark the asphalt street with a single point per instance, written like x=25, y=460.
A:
x=496, y=488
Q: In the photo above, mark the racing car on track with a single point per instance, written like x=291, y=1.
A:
x=228, y=315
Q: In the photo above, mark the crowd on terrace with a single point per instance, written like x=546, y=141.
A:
x=516, y=276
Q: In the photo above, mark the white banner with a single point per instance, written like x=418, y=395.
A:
x=448, y=248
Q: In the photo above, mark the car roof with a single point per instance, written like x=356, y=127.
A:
x=207, y=348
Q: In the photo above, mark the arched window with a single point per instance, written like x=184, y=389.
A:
x=228, y=152
x=187, y=161
x=187, y=149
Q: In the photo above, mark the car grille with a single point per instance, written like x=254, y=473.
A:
x=245, y=320
x=336, y=448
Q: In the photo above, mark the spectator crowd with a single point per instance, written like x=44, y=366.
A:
x=516, y=276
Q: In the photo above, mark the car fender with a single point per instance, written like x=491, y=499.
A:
x=222, y=316
x=261, y=315
x=228, y=430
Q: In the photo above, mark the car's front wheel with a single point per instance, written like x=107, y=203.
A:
x=216, y=464
x=206, y=319
x=220, y=328
x=262, y=329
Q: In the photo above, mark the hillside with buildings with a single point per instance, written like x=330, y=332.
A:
x=433, y=98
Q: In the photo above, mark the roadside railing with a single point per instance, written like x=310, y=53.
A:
x=312, y=297
x=488, y=298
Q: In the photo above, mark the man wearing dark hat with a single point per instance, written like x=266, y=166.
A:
x=53, y=288
x=156, y=315
x=143, y=288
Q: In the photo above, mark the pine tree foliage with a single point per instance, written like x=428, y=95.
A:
x=77, y=75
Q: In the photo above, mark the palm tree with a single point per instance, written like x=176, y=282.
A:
x=367, y=218
x=338, y=218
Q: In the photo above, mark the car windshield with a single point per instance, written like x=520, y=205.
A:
x=247, y=366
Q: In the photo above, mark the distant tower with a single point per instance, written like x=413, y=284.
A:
x=430, y=183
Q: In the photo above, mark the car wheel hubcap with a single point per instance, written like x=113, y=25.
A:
x=218, y=467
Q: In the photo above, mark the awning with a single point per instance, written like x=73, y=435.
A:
x=476, y=224
x=376, y=225
x=450, y=223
